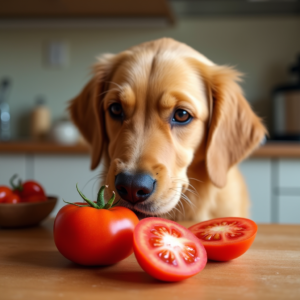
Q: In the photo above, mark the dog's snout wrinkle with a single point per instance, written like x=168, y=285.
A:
x=134, y=187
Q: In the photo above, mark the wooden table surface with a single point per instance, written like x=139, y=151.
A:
x=32, y=268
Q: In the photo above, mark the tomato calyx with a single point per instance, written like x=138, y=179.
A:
x=100, y=199
x=18, y=187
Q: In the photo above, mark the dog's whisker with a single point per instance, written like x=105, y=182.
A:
x=187, y=200
x=184, y=197
x=192, y=191
x=195, y=179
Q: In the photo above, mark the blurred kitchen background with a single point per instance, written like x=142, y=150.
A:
x=47, y=48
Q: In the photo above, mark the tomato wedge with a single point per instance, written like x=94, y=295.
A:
x=167, y=250
x=225, y=238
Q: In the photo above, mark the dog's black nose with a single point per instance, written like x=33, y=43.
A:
x=134, y=187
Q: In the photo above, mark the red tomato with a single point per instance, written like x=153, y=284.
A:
x=12, y=199
x=225, y=238
x=91, y=236
x=167, y=250
x=32, y=192
x=29, y=191
x=4, y=192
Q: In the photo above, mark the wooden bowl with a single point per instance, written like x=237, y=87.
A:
x=25, y=214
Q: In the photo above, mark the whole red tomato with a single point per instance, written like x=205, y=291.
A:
x=4, y=192
x=94, y=234
x=29, y=191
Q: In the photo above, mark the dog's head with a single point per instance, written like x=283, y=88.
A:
x=154, y=110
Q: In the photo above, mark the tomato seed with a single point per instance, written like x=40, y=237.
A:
x=208, y=237
x=156, y=232
x=187, y=258
x=175, y=233
x=168, y=257
x=217, y=236
x=190, y=249
x=239, y=228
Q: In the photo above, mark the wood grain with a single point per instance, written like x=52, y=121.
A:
x=270, y=150
x=32, y=268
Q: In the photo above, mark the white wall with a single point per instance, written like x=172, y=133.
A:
x=262, y=48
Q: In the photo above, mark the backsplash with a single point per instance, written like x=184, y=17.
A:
x=260, y=47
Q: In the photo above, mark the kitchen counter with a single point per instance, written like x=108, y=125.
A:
x=32, y=268
x=269, y=150
x=31, y=147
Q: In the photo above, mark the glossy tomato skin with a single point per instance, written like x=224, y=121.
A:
x=150, y=260
x=12, y=199
x=4, y=192
x=231, y=249
x=32, y=192
x=94, y=237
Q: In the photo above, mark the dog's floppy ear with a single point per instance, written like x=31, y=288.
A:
x=234, y=130
x=87, y=108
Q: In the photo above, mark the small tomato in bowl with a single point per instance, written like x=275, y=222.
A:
x=4, y=193
x=29, y=191
x=95, y=233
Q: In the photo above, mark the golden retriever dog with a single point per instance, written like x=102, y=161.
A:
x=169, y=126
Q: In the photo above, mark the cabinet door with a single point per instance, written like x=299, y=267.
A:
x=289, y=209
x=289, y=174
x=59, y=175
x=257, y=174
x=10, y=165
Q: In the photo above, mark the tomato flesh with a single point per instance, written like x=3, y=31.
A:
x=225, y=238
x=167, y=250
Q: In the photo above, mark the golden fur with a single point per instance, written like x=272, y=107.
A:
x=195, y=164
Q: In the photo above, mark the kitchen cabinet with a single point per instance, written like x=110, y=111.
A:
x=257, y=174
x=289, y=209
x=289, y=174
x=273, y=183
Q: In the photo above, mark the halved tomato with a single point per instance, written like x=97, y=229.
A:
x=167, y=250
x=225, y=238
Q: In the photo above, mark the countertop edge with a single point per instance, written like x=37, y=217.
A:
x=269, y=150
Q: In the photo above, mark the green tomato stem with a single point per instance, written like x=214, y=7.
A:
x=100, y=197
x=86, y=205
x=91, y=203
x=110, y=201
x=100, y=200
x=16, y=187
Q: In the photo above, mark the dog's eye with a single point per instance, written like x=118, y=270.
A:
x=116, y=110
x=181, y=116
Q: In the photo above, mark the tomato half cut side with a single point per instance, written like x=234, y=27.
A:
x=225, y=238
x=166, y=250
